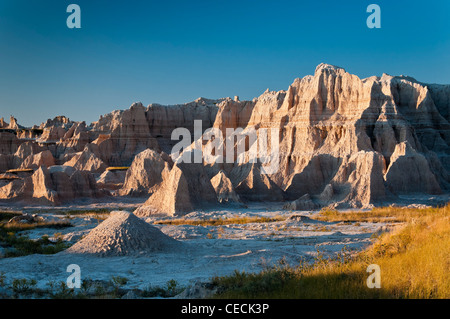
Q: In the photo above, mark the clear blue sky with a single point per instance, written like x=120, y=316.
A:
x=172, y=52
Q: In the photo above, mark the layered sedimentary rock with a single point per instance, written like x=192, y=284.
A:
x=368, y=139
x=342, y=141
x=111, y=180
x=419, y=178
x=170, y=198
x=87, y=161
x=162, y=119
x=224, y=189
x=128, y=134
x=252, y=185
x=184, y=188
x=51, y=186
x=233, y=114
x=145, y=172
x=34, y=161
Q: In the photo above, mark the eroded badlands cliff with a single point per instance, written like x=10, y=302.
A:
x=342, y=142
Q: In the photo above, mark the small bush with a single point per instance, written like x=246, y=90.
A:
x=18, y=245
x=23, y=286
x=171, y=290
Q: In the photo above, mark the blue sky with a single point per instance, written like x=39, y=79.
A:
x=172, y=52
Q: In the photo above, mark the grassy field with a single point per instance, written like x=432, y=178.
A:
x=221, y=221
x=17, y=244
x=414, y=261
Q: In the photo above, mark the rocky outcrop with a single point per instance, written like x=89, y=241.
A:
x=233, y=114
x=224, y=189
x=145, y=172
x=343, y=142
x=184, y=188
x=76, y=138
x=52, y=134
x=252, y=185
x=128, y=134
x=51, y=186
x=3, y=124
x=34, y=161
x=43, y=186
x=87, y=161
x=419, y=177
x=359, y=180
x=111, y=180
x=171, y=198
x=303, y=203
x=163, y=119
x=58, y=121
x=337, y=129
x=84, y=185
x=13, y=125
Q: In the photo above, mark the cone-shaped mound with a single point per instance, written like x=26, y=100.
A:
x=124, y=234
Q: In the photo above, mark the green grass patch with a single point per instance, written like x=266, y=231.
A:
x=17, y=244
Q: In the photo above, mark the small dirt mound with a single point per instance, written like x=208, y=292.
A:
x=124, y=234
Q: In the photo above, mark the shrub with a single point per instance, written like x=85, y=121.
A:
x=23, y=286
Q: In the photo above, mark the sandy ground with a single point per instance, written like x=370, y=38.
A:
x=209, y=251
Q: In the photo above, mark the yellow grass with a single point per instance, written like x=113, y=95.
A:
x=44, y=224
x=120, y=168
x=384, y=214
x=414, y=261
x=8, y=177
x=221, y=221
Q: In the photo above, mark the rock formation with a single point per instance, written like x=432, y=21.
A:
x=184, y=188
x=224, y=189
x=3, y=124
x=419, y=178
x=124, y=234
x=145, y=172
x=303, y=203
x=111, y=180
x=162, y=119
x=343, y=142
x=13, y=125
x=34, y=161
x=87, y=161
x=171, y=198
x=128, y=134
x=252, y=185
x=51, y=186
x=338, y=130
